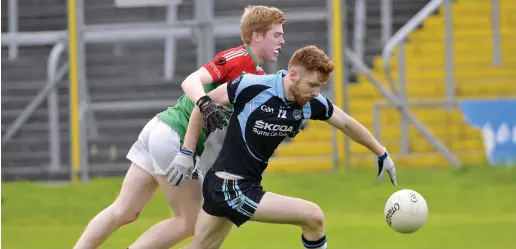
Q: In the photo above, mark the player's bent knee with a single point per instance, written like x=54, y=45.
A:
x=314, y=217
x=189, y=225
x=123, y=214
x=186, y=226
x=188, y=219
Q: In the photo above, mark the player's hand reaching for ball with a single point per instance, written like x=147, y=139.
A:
x=385, y=164
x=216, y=116
x=181, y=167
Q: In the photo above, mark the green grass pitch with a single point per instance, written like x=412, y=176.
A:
x=469, y=208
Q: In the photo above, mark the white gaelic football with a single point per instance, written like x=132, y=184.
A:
x=406, y=211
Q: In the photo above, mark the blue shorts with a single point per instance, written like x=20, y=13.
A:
x=236, y=200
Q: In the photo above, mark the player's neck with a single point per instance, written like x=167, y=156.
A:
x=286, y=89
x=256, y=54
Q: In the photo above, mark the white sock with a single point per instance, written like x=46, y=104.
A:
x=318, y=244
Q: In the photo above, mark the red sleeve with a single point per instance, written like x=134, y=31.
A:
x=217, y=68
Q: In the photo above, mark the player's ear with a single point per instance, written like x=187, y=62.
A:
x=294, y=75
x=256, y=37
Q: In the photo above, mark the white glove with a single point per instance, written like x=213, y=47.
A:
x=182, y=167
x=385, y=164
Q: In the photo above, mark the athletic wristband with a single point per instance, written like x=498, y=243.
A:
x=382, y=157
x=202, y=100
x=186, y=151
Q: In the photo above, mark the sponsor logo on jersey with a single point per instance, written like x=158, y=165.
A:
x=272, y=127
x=263, y=128
x=297, y=114
x=220, y=61
x=215, y=69
x=267, y=109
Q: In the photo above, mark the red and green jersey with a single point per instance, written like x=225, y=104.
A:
x=225, y=66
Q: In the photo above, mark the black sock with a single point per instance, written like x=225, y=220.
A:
x=318, y=244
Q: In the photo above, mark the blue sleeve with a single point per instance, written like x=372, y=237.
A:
x=244, y=88
x=320, y=108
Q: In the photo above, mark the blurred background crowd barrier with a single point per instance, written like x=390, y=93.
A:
x=435, y=80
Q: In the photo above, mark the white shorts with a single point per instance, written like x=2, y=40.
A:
x=156, y=147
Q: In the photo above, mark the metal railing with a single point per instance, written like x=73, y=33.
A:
x=399, y=39
x=55, y=75
x=206, y=25
x=167, y=31
x=394, y=100
x=416, y=104
x=359, y=32
x=12, y=27
x=386, y=29
x=386, y=17
x=379, y=106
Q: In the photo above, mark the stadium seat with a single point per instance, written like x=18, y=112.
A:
x=475, y=76
x=126, y=71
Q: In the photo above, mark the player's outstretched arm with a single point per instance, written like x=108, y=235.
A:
x=193, y=84
x=360, y=134
x=183, y=165
x=355, y=130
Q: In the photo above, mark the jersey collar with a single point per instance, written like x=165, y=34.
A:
x=279, y=84
x=251, y=54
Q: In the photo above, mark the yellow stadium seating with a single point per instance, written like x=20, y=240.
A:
x=475, y=76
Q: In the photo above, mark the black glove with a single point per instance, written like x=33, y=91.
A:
x=216, y=116
x=301, y=127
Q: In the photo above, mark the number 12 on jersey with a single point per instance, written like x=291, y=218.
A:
x=282, y=114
